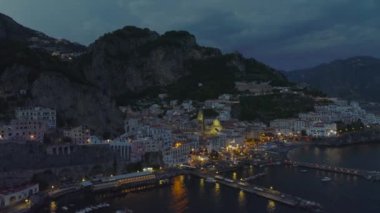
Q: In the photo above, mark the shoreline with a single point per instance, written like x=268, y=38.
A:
x=347, y=144
x=340, y=145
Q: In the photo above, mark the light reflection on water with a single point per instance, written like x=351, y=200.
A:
x=250, y=171
x=201, y=185
x=217, y=188
x=190, y=194
x=271, y=207
x=179, y=201
x=242, y=198
x=334, y=156
x=53, y=207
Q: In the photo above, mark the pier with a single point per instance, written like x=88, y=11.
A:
x=254, y=177
x=267, y=193
x=275, y=195
x=369, y=175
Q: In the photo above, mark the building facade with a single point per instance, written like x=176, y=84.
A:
x=47, y=115
x=15, y=195
x=79, y=135
x=24, y=130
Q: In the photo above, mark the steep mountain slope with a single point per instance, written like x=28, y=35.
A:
x=48, y=81
x=355, y=78
x=130, y=62
x=13, y=31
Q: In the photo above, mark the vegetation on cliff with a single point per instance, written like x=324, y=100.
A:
x=270, y=107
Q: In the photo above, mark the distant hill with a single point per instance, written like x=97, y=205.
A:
x=356, y=78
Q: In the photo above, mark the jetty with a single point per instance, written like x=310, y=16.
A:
x=369, y=175
x=254, y=177
x=267, y=193
x=275, y=195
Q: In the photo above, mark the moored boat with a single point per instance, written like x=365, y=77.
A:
x=210, y=180
x=326, y=179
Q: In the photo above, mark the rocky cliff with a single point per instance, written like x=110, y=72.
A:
x=118, y=65
x=133, y=59
x=30, y=75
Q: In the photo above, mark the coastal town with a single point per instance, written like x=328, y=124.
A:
x=165, y=134
x=189, y=106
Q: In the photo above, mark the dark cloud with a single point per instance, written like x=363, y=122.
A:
x=285, y=34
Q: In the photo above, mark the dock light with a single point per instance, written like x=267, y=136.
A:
x=271, y=187
x=26, y=201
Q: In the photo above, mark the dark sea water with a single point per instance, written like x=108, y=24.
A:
x=189, y=194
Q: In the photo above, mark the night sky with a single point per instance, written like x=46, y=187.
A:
x=286, y=34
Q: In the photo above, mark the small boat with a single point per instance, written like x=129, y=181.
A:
x=326, y=179
x=243, y=183
x=210, y=180
x=303, y=170
x=65, y=208
x=228, y=180
x=219, y=177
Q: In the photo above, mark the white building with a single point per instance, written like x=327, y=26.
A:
x=16, y=195
x=132, y=126
x=322, y=130
x=148, y=144
x=24, y=130
x=179, y=153
x=123, y=148
x=289, y=125
x=188, y=106
x=93, y=139
x=217, y=143
x=38, y=114
x=78, y=135
x=225, y=114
